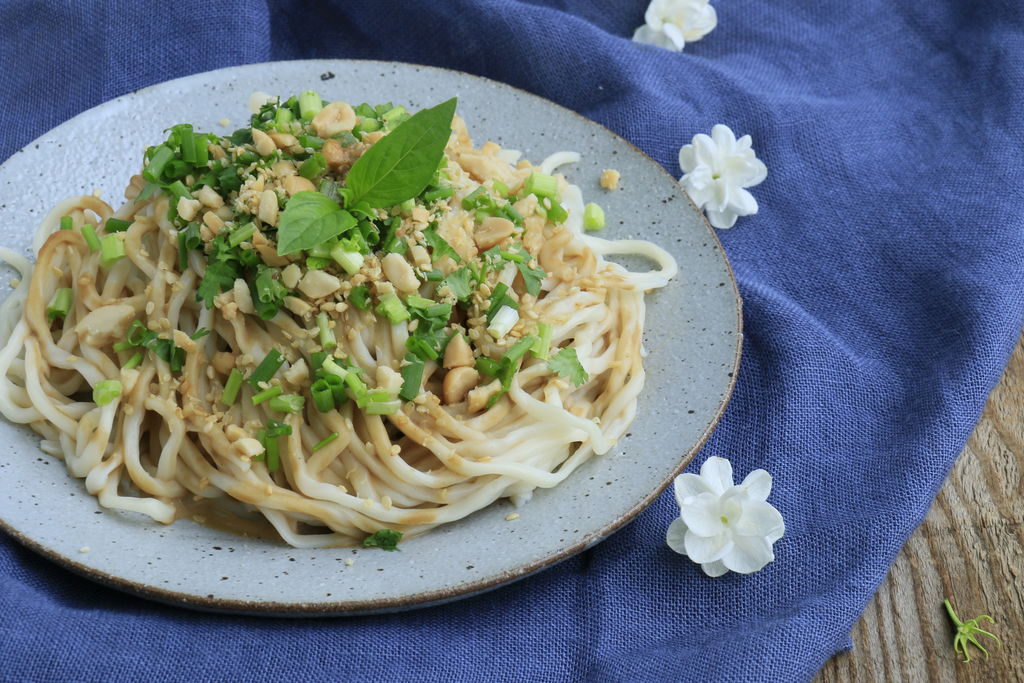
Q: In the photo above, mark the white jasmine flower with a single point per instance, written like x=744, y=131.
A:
x=724, y=527
x=672, y=24
x=715, y=171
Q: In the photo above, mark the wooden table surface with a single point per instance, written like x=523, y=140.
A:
x=970, y=548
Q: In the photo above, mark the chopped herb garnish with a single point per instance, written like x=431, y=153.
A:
x=89, y=233
x=566, y=364
x=391, y=307
x=440, y=248
x=458, y=283
x=106, y=391
x=412, y=377
x=327, y=338
x=219, y=277
x=593, y=217
x=328, y=439
x=360, y=297
x=272, y=392
x=111, y=250
x=116, y=225
x=232, y=387
x=60, y=304
x=385, y=539
x=267, y=368
x=287, y=403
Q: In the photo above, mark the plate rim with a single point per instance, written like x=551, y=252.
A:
x=441, y=595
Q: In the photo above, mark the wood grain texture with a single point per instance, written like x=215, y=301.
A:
x=970, y=548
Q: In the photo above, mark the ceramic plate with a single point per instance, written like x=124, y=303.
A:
x=692, y=337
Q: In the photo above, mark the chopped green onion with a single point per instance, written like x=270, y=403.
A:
x=239, y=235
x=328, y=439
x=186, y=142
x=275, y=428
x=486, y=366
x=503, y=322
x=316, y=360
x=273, y=453
x=111, y=249
x=391, y=307
x=327, y=338
x=500, y=187
x=66, y=223
x=155, y=168
x=89, y=233
x=413, y=301
x=148, y=190
x=269, y=394
x=441, y=311
x=310, y=105
x=383, y=407
x=202, y=151
x=542, y=347
x=60, y=304
x=133, y=362
x=421, y=348
x=232, y=387
x=365, y=125
x=288, y=403
x=267, y=368
x=124, y=346
x=323, y=397
x=313, y=166
x=360, y=297
x=519, y=349
x=312, y=142
x=593, y=217
x=407, y=206
x=499, y=299
x=557, y=212
x=338, y=388
x=541, y=185
x=282, y=117
x=333, y=368
x=393, y=114
x=412, y=377
x=116, y=225
x=357, y=385
x=106, y=391
x=178, y=189
x=351, y=261
x=443, y=192
x=317, y=263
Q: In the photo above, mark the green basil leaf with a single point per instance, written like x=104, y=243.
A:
x=401, y=164
x=310, y=219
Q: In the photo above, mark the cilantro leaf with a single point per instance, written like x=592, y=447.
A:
x=385, y=539
x=310, y=219
x=440, y=247
x=220, y=276
x=531, y=277
x=398, y=166
x=458, y=283
x=566, y=364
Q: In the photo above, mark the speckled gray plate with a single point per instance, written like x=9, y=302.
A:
x=693, y=338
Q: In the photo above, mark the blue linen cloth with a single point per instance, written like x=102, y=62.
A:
x=881, y=282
